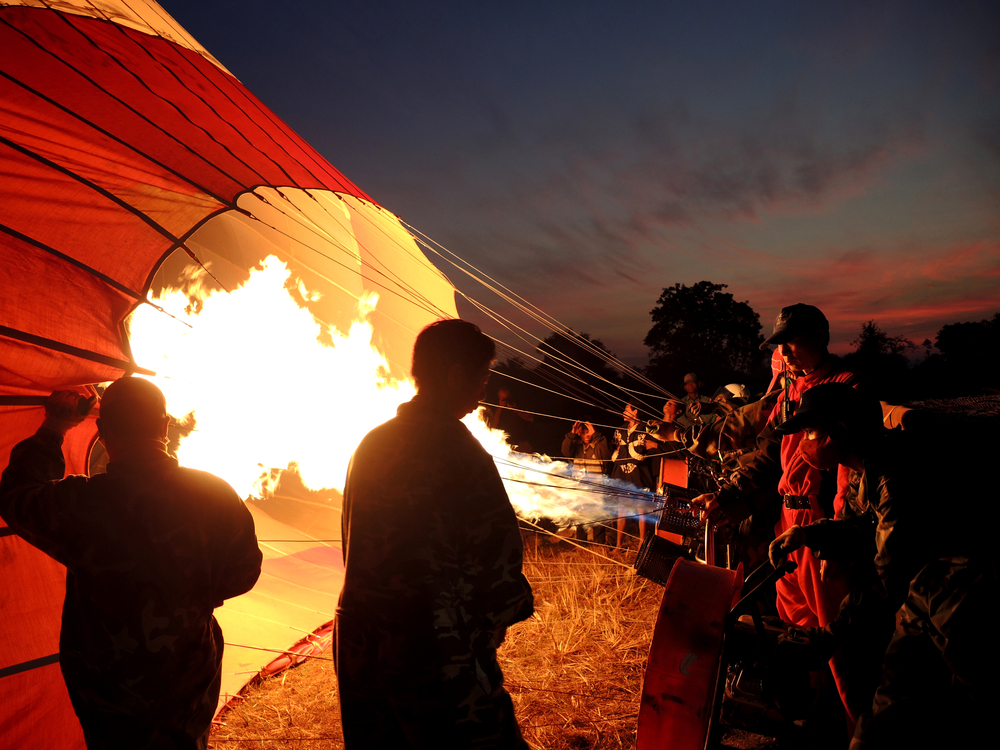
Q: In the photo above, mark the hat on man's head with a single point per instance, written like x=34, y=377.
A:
x=733, y=390
x=826, y=404
x=691, y=378
x=795, y=320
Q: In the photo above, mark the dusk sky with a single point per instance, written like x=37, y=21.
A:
x=588, y=155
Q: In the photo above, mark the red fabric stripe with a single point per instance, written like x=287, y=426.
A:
x=160, y=139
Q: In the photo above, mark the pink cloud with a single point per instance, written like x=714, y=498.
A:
x=912, y=292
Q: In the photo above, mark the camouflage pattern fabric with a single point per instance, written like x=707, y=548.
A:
x=150, y=550
x=938, y=688
x=889, y=532
x=433, y=558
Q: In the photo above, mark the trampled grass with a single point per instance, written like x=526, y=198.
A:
x=574, y=669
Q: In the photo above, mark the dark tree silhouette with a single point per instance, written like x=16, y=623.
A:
x=874, y=342
x=702, y=329
x=880, y=361
x=581, y=367
x=971, y=354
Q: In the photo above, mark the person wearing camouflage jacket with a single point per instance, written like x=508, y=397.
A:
x=433, y=559
x=150, y=550
x=938, y=687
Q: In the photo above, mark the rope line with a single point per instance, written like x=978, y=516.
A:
x=276, y=651
x=535, y=312
x=573, y=542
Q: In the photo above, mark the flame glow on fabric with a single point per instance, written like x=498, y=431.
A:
x=127, y=152
x=127, y=155
x=263, y=389
x=332, y=389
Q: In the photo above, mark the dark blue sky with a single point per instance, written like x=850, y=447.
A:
x=843, y=154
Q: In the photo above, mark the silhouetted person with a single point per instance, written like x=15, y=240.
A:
x=697, y=408
x=432, y=557
x=517, y=424
x=896, y=522
x=150, y=550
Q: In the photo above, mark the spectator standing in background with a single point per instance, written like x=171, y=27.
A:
x=591, y=455
x=632, y=442
x=697, y=408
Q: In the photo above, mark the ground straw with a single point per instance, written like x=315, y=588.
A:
x=574, y=669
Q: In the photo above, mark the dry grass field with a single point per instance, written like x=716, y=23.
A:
x=574, y=669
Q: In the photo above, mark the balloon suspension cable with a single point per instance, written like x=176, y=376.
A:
x=573, y=542
x=528, y=308
x=512, y=298
x=168, y=314
x=416, y=298
x=197, y=260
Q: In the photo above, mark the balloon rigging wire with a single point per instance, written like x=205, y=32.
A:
x=500, y=319
x=539, y=316
x=428, y=307
x=529, y=308
x=508, y=325
x=573, y=543
x=512, y=298
x=433, y=309
x=508, y=376
x=403, y=283
x=517, y=300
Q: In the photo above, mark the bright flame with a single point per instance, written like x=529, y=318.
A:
x=264, y=390
x=539, y=487
x=269, y=387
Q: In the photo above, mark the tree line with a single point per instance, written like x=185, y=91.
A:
x=701, y=328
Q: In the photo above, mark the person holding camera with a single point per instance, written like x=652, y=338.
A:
x=590, y=453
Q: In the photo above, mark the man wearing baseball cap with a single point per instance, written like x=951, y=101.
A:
x=805, y=493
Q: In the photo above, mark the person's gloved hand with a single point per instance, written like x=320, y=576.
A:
x=807, y=648
x=708, y=505
x=830, y=570
x=785, y=544
x=64, y=410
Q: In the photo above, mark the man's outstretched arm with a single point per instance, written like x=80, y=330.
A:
x=30, y=498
